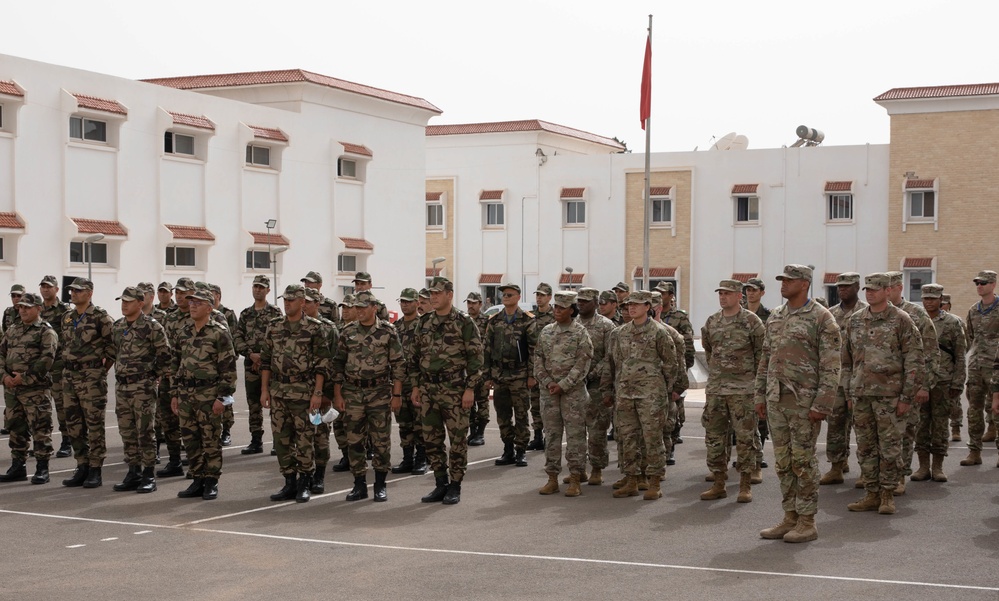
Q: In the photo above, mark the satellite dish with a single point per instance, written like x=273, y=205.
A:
x=725, y=142
x=740, y=142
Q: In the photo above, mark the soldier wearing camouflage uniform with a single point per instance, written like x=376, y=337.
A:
x=480, y=412
x=733, y=342
x=444, y=370
x=203, y=381
x=167, y=420
x=607, y=307
x=231, y=323
x=52, y=311
x=678, y=319
x=882, y=364
x=321, y=442
x=347, y=315
x=149, y=309
x=508, y=345
x=796, y=389
x=165, y=292
x=982, y=329
x=597, y=416
x=543, y=315
x=362, y=282
x=294, y=365
x=142, y=356
x=670, y=402
x=368, y=371
x=951, y=371
x=641, y=359
x=248, y=341
x=327, y=307
x=11, y=315
x=621, y=291
x=754, y=290
x=561, y=365
x=27, y=352
x=88, y=352
x=414, y=454
x=956, y=410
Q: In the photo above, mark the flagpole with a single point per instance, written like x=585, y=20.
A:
x=648, y=204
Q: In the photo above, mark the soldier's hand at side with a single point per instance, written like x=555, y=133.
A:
x=339, y=403
x=6, y=381
x=468, y=399
x=608, y=401
x=174, y=405
x=396, y=403
x=761, y=410
x=995, y=402
x=218, y=407
x=17, y=380
x=554, y=388
x=531, y=382
x=675, y=396
x=901, y=409
x=315, y=402
x=265, y=399
x=922, y=396
x=489, y=384
x=816, y=417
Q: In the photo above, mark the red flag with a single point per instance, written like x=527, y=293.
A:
x=646, y=105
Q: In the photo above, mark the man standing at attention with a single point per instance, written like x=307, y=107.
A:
x=983, y=342
x=598, y=417
x=480, y=412
x=543, y=316
x=248, y=340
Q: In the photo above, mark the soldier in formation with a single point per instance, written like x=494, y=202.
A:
x=597, y=416
x=414, y=453
x=321, y=443
x=52, y=311
x=543, y=314
x=480, y=412
x=248, y=341
x=982, y=329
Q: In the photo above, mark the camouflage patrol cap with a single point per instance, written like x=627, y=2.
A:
x=362, y=276
x=473, y=297
x=986, y=276
x=944, y=298
x=78, y=284
x=608, y=296
x=30, y=299
x=199, y=285
x=543, y=288
x=848, y=278
x=509, y=286
x=657, y=298
x=639, y=297
x=215, y=288
x=587, y=294
x=49, y=280
x=409, y=295
x=185, y=285
x=348, y=300
x=440, y=284
x=796, y=272
x=895, y=277
x=666, y=288
x=165, y=286
x=262, y=280
x=755, y=283
x=364, y=298
x=932, y=290
x=312, y=277
x=622, y=287
x=876, y=281
x=132, y=293
x=17, y=289
x=146, y=287
x=313, y=296
x=293, y=292
x=202, y=295
x=565, y=299
x=424, y=293
x=729, y=286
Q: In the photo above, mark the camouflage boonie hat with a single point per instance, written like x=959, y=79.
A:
x=262, y=280
x=78, y=284
x=185, y=285
x=202, y=295
x=293, y=291
x=17, y=289
x=146, y=287
x=639, y=297
x=666, y=288
x=364, y=298
x=729, y=286
x=565, y=299
x=944, y=298
x=587, y=294
x=348, y=300
x=622, y=287
x=30, y=299
x=755, y=283
x=608, y=296
x=657, y=298
x=895, y=277
x=440, y=284
x=986, y=276
x=473, y=297
x=877, y=281
x=543, y=288
x=932, y=290
x=132, y=293
x=509, y=286
x=314, y=296
x=409, y=295
x=848, y=278
x=424, y=293
x=796, y=272
x=362, y=276
x=312, y=277
x=50, y=280
x=165, y=286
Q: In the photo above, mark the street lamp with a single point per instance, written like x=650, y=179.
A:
x=88, y=241
x=434, y=263
x=569, y=271
x=277, y=251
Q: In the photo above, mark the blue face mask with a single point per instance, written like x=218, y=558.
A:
x=316, y=418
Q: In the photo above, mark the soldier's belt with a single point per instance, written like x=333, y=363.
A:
x=294, y=379
x=368, y=382
x=195, y=382
x=454, y=377
x=78, y=365
x=133, y=379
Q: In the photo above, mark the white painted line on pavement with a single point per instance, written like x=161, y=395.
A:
x=79, y=519
x=74, y=546
x=104, y=540
x=142, y=532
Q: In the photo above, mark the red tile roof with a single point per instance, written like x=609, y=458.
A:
x=10, y=88
x=525, y=125
x=572, y=192
x=357, y=149
x=192, y=121
x=190, y=232
x=830, y=278
x=490, y=279
x=258, y=78
x=918, y=183
x=571, y=278
x=99, y=226
x=660, y=190
x=357, y=243
x=839, y=186
x=268, y=133
x=491, y=195
x=975, y=89
x=100, y=104
x=743, y=277
x=263, y=238
x=657, y=272
x=744, y=188
x=434, y=196
x=11, y=221
x=917, y=262
x=431, y=272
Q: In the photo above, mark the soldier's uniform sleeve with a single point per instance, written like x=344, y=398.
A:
x=533, y=334
x=321, y=351
x=226, y=364
x=397, y=359
x=913, y=361
x=760, y=396
x=668, y=353
x=3, y=356
x=540, y=356
x=581, y=363
x=846, y=361
x=267, y=351
x=688, y=341
x=487, y=346
x=473, y=352
x=239, y=336
x=415, y=356
x=969, y=328
x=829, y=363
x=607, y=378
x=162, y=360
x=38, y=371
x=705, y=341
x=960, y=359
x=107, y=351
x=756, y=335
x=339, y=364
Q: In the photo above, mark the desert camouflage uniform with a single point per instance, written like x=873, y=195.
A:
x=508, y=348
x=408, y=416
x=231, y=323
x=29, y=350
x=798, y=373
x=950, y=373
x=540, y=321
x=167, y=309
x=983, y=343
x=930, y=352
x=52, y=314
x=598, y=416
x=479, y=417
x=840, y=421
x=328, y=309
x=563, y=356
x=882, y=366
x=86, y=348
x=957, y=408
x=681, y=382
x=680, y=321
x=249, y=338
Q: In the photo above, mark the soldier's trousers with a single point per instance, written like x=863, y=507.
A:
x=722, y=415
x=598, y=419
x=797, y=467
x=910, y=422
x=135, y=406
x=410, y=426
x=839, y=424
x=367, y=416
x=480, y=411
x=932, y=434
x=879, y=441
x=512, y=401
x=251, y=381
x=681, y=417
x=321, y=443
x=201, y=431
x=565, y=412
x=442, y=413
x=85, y=395
x=639, y=430
x=228, y=418
x=60, y=406
x=956, y=410
x=537, y=420
x=167, y=421
x=28, y=415
x=979, y=406
x=294, y=436
x=340, y=434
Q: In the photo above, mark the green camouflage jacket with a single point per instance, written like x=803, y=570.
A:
x=732, y=347
x=679, y=319
x=205, y=356
x=141, y=348
x=368, y=353
x=295, y=353
x=251, y=329
x=86, y=338
x=447, y=347
x=29, y=350
x=508, y=346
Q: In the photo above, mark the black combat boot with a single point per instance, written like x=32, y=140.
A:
x=520, y=459
x=93, y=478
x=672, y=458
x=287, y=491
x=18, y=471
x=538, y=442
x=65, y=449
x=406, y=465
x=79, y=476
x=41, y=472
x=148, y=483
x=131, y=481
x=318, y=485
x=226, y=439
x=420, y=461
x=437, y=494
x=507, y=457
x=303, y=490
x=380, y=489
x=211, y=491
x=476, y=439
x=360, y=490
x=196, y=489
x=343, y=465
x=256, y=444
x=172, y=468
x=453, y=494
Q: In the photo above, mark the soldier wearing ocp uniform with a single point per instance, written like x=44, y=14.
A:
x=598, y=416
x=982, y=330
x=679, y=320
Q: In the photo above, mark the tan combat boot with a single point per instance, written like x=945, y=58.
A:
x=834, y=475
x=710, y=477
x=628, y=489
x=596, y=477
x=887, y=506
x=717, y=491
x=937, y=469
x=569, y=477
x=757, y=476
x=778, y=531
x=990, y=434
x=923, y=473
x=620, y=483
x=900, y=487
x=552, y=486
x=974, y=458
x=573, y=490
x=654, y=492
x=870, y=502
x=804, y=530
x=955, y=434
x=643, y=482
x=745, y=489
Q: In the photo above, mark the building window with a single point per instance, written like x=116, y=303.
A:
x=747, y=209
x=1, y=116
x=490, y=296
x=435, y=216
x=662, y=211
x=346, y=263
x=2, y=258
x=81, y=128
x=180, y=256
x=174, y=143
x=346, y=168
x=915, y=280
x=259, y=156
x=840, y=207
x=98, y=252
x=575, y=212
x=493, y=214
x=922, y=205
x=258, y=259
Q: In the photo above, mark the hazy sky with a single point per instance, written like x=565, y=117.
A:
x=758, y=68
